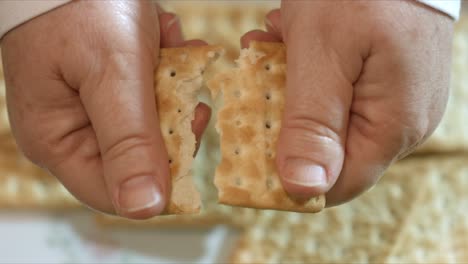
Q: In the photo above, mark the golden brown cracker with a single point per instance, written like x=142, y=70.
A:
x=249, y=124
x=178, y=80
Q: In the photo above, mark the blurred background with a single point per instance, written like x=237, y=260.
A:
x=417, y=213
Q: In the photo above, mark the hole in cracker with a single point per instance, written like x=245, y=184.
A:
x=238, y=181
x=269, y=154
x=237, y=151
x=171, y=131
x=237, y=93
x=173, y=73
x=268, y=125
x=268, y=96
x=170, y=161
x=179, y=111
x=267, y=67
x=269, y=183
x=238, y=123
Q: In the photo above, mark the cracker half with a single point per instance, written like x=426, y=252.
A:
x=178, y=81
x=249, y=124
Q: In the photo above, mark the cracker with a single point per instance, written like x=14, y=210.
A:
x=436, y=232
x=400, y=220
x=249, y=125
x=23, y=185
x=424, y=237
x=212, y=213
x=178, y=80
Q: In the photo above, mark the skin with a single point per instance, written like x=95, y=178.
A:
x=78, y=110
x=367, y=82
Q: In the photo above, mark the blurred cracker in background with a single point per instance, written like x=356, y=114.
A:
x=408, y=217
x=416, y=213
x=23, y=185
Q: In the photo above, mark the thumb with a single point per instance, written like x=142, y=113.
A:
x=122, y=111
x=311, y=146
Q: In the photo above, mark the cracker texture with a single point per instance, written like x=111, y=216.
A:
x=411, y=216
x=249, y=124
x=178, y=81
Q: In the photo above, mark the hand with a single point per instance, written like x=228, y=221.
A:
x=367, y=82
x=81, y=101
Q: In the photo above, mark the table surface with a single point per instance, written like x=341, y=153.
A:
x=74, y=237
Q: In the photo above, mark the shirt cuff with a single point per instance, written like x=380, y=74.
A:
x=450, y=7
x=15, y=12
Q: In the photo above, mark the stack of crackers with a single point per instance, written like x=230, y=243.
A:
x=418, y=212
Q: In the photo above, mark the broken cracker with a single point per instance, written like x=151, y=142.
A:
x=249, y=124
x=178, y=80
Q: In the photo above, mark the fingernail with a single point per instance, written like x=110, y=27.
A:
x=139, y=193
x=305, y=173
x=174, y=20
x=268, y=23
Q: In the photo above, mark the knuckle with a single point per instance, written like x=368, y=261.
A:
x=410, y=139
x=314, y=127
x=126, y=144
x=396, y=137
x=33, y=153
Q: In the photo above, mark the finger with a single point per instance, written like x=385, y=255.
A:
x=258, y=35
x=159, y=9
x=120, y=103
x=366, y=160
x=388, y=123
x=62, y=140
x=273, y=22
x=77, y=164
x=311, y=145
x=194, y=42
x=200, y=122
x=170, y=30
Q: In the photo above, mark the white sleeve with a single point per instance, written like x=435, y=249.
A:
x=450, y=7
x=15, y=12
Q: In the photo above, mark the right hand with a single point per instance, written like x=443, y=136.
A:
x=81, y=100
x=367, y=82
